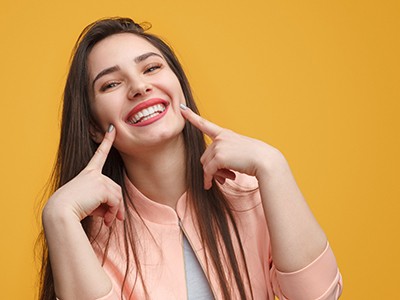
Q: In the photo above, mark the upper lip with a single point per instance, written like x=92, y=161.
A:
x=145, y=104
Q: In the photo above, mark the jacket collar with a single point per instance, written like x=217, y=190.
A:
x=153, y=211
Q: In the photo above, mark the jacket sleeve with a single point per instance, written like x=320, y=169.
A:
x=320, y=280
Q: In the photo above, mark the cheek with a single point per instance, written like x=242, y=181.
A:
x=172, y=85
x=104, y=114
x=181, y=122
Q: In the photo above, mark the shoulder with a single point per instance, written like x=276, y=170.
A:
x=242, y=192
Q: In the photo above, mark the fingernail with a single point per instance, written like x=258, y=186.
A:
x=183, y=106
x=110, y=128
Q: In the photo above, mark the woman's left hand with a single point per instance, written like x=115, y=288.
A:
x=229, y=151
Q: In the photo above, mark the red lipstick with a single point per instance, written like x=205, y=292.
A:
x=147, y=112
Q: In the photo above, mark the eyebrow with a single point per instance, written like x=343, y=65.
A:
x=144, y=56
x=116, y=68
x=105, y=72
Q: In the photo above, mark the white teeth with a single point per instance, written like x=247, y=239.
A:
x=147, y=113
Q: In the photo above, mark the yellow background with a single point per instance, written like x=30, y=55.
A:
x=317, y=79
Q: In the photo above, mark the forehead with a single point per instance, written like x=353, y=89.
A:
x=117, y=49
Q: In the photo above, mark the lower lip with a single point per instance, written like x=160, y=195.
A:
x=153, y=119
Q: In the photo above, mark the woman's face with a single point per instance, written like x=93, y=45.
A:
x=133, y=88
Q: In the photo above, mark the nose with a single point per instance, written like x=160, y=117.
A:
x=139, y=89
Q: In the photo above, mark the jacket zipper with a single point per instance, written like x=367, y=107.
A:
x=195, y=253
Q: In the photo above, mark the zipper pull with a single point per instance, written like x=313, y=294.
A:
x=180, y=223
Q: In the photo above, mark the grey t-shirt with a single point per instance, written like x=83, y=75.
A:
x=197, y=285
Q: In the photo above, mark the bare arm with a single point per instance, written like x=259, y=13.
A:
x=296, y=237
x=76, y=270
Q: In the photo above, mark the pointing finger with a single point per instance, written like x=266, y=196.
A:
x=205, y=126
x=100, y=156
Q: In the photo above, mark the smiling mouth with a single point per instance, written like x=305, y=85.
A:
x=146, y=114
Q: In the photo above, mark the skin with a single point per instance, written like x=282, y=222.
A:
x=151, y=154
x=296, y=237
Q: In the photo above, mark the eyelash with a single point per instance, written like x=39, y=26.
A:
x=153, y=67
x=109, y=86
x=149, y=69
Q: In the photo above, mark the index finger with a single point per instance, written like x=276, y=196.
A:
x=100, y=156
x=205, y=126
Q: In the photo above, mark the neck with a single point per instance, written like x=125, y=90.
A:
x=159, y=173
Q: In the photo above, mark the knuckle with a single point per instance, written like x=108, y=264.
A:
x=100, y=151
x=218, y=157
x=208, y=169
x=201, y=122
x=227, y=131
x=103, y=190
x=119, y=188
x=224, y=133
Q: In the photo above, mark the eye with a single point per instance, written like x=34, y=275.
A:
x=109, y=85
x=153, y=67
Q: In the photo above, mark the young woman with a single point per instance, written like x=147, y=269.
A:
x=142, y=209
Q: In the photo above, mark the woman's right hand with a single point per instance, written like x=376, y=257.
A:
x=90, y=193
x=77, y=272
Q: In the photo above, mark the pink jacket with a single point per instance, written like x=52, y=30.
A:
x=162, y=261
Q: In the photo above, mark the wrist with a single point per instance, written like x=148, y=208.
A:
x=271, y=163
x=57, y=214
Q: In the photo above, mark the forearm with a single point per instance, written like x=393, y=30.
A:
x=76, y=270
x=296, y=237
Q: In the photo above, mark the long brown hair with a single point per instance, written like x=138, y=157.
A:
x=213, y=214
